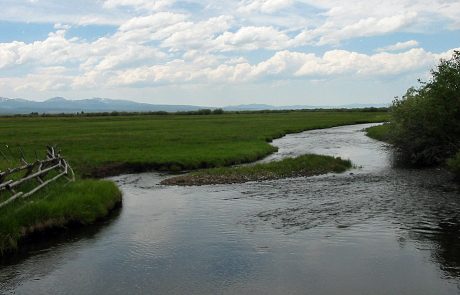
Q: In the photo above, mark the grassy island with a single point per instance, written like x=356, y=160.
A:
x=306, y=165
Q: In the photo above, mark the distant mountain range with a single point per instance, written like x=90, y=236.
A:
x=61, y=105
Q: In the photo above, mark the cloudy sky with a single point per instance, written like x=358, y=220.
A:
x=222, y=52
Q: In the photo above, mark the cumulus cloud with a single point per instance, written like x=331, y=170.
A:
x=188, y=35
x=55, y=50
x=284, y=65
x=192, y=52
x=345, y=19
x=252, y=38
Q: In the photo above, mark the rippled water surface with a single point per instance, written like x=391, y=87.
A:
x=372, y=230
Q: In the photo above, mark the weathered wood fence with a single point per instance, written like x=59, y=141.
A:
x=43, y=171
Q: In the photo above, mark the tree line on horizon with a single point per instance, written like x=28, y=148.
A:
x=201, y=112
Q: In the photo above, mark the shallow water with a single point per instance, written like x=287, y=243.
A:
x=372, y=230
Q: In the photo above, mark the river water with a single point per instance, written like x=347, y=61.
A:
x=372, y=230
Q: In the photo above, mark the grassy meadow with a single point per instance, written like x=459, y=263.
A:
x=102, y=146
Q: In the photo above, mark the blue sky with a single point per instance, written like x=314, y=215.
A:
x=217, y=53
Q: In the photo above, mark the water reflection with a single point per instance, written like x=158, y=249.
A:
x=432, y=220
x=52, y=249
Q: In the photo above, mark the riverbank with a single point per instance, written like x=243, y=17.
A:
x=306, y=165
x=57, y=206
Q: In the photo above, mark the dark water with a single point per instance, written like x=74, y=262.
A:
x=376, y=230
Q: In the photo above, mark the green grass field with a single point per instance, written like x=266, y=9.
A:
x=100, y=146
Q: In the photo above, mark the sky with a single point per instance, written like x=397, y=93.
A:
x=218, y=53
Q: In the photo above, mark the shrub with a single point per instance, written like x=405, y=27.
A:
x=426, y=121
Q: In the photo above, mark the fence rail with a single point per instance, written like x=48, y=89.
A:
x=38, y=171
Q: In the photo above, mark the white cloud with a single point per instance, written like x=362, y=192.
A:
x=252, y=38
x=201, y=56
x=331, y=33
x=399, y=46
x=345, y=19
x=55, y=50
x=189, y=35
x=284, y=65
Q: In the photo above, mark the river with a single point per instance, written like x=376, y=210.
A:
x=375, y=229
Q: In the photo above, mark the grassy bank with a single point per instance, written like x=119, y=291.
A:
x=58, y=205
x=102, y=146
x=381, y=132
x=306, y=165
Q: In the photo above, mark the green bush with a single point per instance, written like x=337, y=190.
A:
x=426, y=121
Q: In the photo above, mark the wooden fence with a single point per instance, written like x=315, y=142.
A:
x=43, y=172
